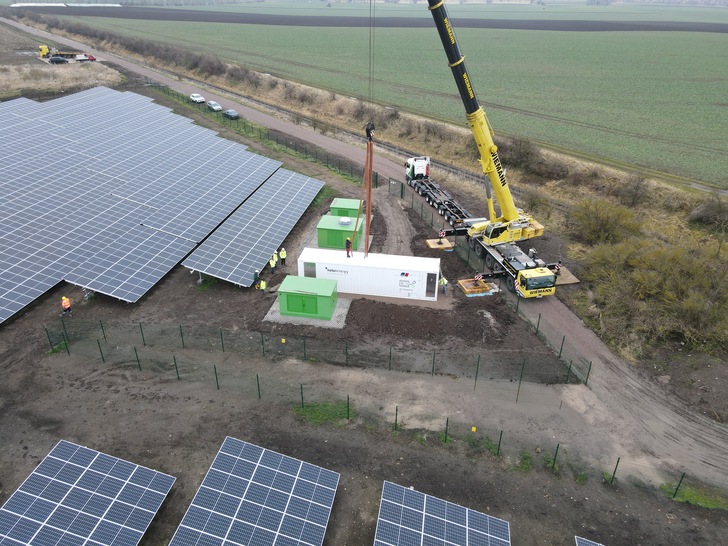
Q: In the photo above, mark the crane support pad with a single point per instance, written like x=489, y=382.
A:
x=566, y=277
x=440, y=244
x=472, y=288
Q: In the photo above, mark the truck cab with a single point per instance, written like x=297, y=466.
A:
x=418, y=168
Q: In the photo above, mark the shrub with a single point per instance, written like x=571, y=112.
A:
x=633, y=191
x=712, y=212
x=597, y=220
x=659, y=291
x=520, y=152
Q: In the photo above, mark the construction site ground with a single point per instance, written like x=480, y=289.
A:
x=176, y=426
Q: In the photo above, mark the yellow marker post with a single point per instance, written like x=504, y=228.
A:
x=283, y=340
x=474, y=429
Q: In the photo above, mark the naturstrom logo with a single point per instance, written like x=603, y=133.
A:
x=332, y=270
x=404, y=274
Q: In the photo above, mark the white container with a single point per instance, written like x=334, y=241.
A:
x=386, y=275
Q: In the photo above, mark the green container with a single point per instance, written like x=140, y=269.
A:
x=331, y=233
x=346, y=207
x=307, y=297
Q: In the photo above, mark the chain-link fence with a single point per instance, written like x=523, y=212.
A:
x=577, y=367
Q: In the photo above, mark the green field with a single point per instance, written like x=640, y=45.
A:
x=654, y=99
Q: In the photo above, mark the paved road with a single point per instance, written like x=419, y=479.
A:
x=651, y=431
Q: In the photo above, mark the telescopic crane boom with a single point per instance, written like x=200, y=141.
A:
x=512, y=224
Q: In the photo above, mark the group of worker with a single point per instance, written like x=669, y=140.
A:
x=261, y=284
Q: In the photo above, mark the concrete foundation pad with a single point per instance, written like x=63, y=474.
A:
x=337, y=320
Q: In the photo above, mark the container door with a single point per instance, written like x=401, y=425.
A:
x=309, y=269
x=431, y=290
x=296, y=303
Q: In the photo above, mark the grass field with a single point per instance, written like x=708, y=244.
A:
x=654, y=99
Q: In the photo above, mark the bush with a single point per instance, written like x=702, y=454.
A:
x=712, y=212
x=520, y=152
x=647, y=290
x=633, y=191
x=595, y=221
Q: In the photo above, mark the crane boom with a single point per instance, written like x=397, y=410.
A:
x=512, y=224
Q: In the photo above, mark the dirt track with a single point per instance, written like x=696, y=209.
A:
x=622, y=415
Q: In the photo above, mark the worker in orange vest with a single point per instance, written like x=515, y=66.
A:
x=66, y=306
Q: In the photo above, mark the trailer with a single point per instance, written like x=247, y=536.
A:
x=407, y=277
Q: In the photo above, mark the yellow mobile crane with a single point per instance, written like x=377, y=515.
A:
x=494, y=239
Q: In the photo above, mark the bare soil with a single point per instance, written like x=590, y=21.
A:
x=176, y=426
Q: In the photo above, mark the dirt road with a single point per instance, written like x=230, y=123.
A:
x=653, y=432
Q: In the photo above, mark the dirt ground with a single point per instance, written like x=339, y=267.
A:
x=176, y=426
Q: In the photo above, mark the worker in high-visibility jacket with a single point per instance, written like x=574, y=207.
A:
x=256, y=279
x=66, y=307
x=272, y=264
x=283, y=255
x=443, y=283
x=263, y=286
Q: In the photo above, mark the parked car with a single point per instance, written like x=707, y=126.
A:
x=196, y=97
x=231, y=114
x=84, y=57
x=58, y=60
x=214, y=106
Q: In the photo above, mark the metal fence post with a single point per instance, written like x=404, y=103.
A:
x=586, y=381
x=518, y=392
x=100, y=351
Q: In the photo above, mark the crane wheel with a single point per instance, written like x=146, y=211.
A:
x=510, y=283
x=489, y=261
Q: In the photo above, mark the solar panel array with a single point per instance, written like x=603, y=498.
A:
x=586, y=542
x=247, y=240
x=109, y=191
x=80, y=496
x=410, y=518
x=252, y=496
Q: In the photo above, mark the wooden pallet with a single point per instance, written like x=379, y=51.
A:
x=472, y=288
x=440, y=244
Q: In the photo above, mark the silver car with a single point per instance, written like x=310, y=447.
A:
x=215, y=107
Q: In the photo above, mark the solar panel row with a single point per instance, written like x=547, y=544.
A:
x=410, y=518
x=80, y=496
x=247, y=240
x=586, y=542
x=252, y=496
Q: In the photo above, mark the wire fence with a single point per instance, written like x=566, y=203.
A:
x=576, y=364
x=160, y=347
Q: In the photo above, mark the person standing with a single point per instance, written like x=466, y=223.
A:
x=282, y=255
x=348, y=247
x=272, y=264
x=443, y=283
x=66, y=307
x=256, y=279
x=263, y=286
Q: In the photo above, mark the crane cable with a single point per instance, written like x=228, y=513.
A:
x=372, y=25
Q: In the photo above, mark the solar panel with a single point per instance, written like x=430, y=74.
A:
x=252, y=496
x=130, y=266
x=410, y=518
x=217, y=188
x=80, y=496
x=246, y=240
x=586, y=542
